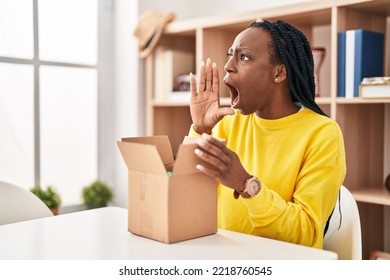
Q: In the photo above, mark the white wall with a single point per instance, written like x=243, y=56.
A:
x=201, y=8
x=127, y=106
x=120, y=98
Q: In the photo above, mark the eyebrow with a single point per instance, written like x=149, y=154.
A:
x=240, y=49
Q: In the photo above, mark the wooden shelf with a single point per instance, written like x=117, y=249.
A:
x=359, y=100
x=323, y=100
x=377, y=195
x=225, y=101
x=379, y=7
x=170, y=103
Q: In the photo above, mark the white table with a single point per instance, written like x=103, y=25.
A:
x=101, y=234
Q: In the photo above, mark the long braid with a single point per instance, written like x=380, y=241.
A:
x=291, y=47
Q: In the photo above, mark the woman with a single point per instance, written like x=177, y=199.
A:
x=283, y=161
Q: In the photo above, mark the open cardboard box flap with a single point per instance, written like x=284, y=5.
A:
x=153, y=154
x=147, y=154
x=186, y=160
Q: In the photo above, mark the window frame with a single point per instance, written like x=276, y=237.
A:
x=36, y=63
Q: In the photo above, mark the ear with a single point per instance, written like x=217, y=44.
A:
x=280, y=73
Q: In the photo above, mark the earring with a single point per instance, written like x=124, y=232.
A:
x=276, y=79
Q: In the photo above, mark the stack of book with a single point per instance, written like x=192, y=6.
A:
x=360, y=55
x=375, y=87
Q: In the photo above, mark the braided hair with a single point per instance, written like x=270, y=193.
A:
x=291, y=48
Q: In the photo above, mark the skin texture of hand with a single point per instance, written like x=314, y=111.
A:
x=222, y=163
x=204, y=105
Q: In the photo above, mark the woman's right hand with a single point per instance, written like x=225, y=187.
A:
x=204, y=105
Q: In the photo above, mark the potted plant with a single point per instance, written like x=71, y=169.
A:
x=49, y=196
x=97, y=194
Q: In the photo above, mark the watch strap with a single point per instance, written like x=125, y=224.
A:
x=236, y=194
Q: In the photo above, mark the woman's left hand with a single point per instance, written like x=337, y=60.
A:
x=222, y=163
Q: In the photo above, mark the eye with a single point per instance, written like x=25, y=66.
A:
x=229, y=55
x=244, y=57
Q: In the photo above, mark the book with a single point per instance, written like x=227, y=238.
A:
x=363, y=52
x=375, y=87
x=341, y=64
x=159, y=75
x=170, y=67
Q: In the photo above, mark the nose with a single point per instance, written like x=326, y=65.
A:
x=229, y=66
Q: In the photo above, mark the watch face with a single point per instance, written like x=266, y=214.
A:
x=253, y=186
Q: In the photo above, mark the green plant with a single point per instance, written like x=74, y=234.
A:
x=49, y=196
x=97, y=194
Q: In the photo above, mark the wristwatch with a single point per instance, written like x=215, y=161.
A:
x=252, y=188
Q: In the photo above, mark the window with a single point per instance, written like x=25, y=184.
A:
x=49, y=94
x=17, y=123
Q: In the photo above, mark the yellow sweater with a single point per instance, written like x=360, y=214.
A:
x=300, y=161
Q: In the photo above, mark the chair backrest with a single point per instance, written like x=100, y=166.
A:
x=18, y=204
x=344, y=232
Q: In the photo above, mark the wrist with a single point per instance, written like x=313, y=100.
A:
x=251, y=188
x=201, y=129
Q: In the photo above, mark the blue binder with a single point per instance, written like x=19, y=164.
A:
x=360, y=55
x=341, y=64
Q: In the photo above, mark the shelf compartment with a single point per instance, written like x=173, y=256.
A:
x=378, y=7
x=173, y=121
x=362, y=126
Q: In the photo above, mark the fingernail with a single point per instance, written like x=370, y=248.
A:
x=198, y=152
x=206, y=136
x=201, y=142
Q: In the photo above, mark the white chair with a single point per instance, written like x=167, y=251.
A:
x=344, y=232
x=18, y=204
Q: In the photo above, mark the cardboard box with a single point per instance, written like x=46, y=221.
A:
x=169, y=200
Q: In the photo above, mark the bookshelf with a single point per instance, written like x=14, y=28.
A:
x=365, y=122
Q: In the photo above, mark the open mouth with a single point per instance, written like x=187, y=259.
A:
x=234, y=98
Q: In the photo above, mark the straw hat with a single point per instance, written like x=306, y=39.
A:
x=148, y=31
